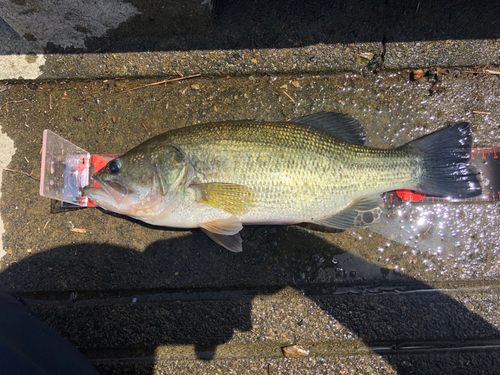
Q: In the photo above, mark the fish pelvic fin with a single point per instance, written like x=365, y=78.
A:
x=340, y=125
x=359, y=214
x=231, y=243
x=445, y=156
x=231, y=198
x=224, y=232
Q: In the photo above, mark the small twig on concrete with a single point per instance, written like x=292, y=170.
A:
x=78, y=230
x=144, y=126
x=427, y=230
x=161, y=82
x=20, y=172
x=12, y=101
x=483, y=71
x=274, y=92
x=482, y=112
x=284, y=92
x=488, y=71
x=47, y=223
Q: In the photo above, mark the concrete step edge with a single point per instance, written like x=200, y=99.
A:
x=320, y=58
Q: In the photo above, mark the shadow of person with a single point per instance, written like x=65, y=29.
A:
x=114, y=302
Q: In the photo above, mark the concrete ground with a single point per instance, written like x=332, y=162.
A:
x=139, y=299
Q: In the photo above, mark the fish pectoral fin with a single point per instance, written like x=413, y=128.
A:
x=231, y=198
x=360, y=214
x=225, y=233
x=340, y=125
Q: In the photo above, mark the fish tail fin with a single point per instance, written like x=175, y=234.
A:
x=445, y=157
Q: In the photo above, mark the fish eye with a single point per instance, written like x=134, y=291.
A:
x=114, y=166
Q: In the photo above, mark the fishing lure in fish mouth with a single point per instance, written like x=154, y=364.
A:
x=219, y=176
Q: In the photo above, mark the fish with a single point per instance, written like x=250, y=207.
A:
x=219, y=176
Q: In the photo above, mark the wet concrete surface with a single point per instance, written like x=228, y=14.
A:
x=141, y=299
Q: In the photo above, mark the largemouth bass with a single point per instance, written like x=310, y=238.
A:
x=219, y=176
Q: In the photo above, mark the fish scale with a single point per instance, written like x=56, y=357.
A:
x=294, y=166
x=218, y=176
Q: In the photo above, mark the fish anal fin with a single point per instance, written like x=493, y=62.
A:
x=360, y=214
x=340, y=125
x=225, y=232
x=231, y=198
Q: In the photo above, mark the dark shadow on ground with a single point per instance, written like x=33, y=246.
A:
x=235, y=24
x=188, y=291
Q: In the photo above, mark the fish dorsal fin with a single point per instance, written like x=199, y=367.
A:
x=360, y=214
x=231, y=198
x=340, y=125
x=225, y=232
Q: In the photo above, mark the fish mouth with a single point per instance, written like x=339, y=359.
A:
x=114, y=189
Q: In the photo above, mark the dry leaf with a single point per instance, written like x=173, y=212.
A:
x=417, y=74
